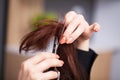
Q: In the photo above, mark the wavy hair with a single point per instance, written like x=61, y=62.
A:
x=39, y=39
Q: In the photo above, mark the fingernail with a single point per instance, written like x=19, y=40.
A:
x=57, y=56
x=70, y=40
x=62, y=63
x=62, y=41
x=96, y=29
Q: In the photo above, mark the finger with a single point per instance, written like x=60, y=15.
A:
x=44, y=55
x=50, y=75
x=48, y=63
x=69, y=17
x=20, y=75
x=44, y=76
x=30, y=63
x=92, y=28
x=23, y=73
x=95, y=27
x=78, y=19
x=80, y=29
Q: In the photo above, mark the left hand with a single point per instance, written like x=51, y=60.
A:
x=77, y=28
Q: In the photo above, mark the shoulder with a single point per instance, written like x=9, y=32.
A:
x=87, y=58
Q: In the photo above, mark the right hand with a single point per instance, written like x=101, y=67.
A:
x=35, y=68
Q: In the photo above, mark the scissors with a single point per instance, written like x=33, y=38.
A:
x=55, y=47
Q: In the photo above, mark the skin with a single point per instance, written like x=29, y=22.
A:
x=77, y=28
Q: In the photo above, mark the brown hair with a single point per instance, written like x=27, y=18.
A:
x=39, y=39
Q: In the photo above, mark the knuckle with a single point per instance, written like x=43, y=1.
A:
x=57, y=62
x=37, y=76
x=51, y=62
x=42, y=54
x=97, y=24
x=80, y=16
x=54, y=74
x=65, y=35
x=31, y=70
x=70, y=13
x=33, y=77
x=31, y=73
x=24, y=65
x=46, y=55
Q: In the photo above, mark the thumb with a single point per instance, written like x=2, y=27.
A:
x=95, y=27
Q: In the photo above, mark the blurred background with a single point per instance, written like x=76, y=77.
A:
x=17, y=16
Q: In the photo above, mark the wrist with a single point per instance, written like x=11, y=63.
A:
x=83, y=45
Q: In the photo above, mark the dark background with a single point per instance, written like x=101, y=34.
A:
x=63, y=6
x=3, y=21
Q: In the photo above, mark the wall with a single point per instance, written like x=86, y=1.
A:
x=19, y=16
x=107, y=15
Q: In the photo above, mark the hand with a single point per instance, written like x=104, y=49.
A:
x=77, y=28
x=35, y=67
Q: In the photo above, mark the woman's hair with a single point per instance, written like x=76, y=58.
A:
x=39, y=39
